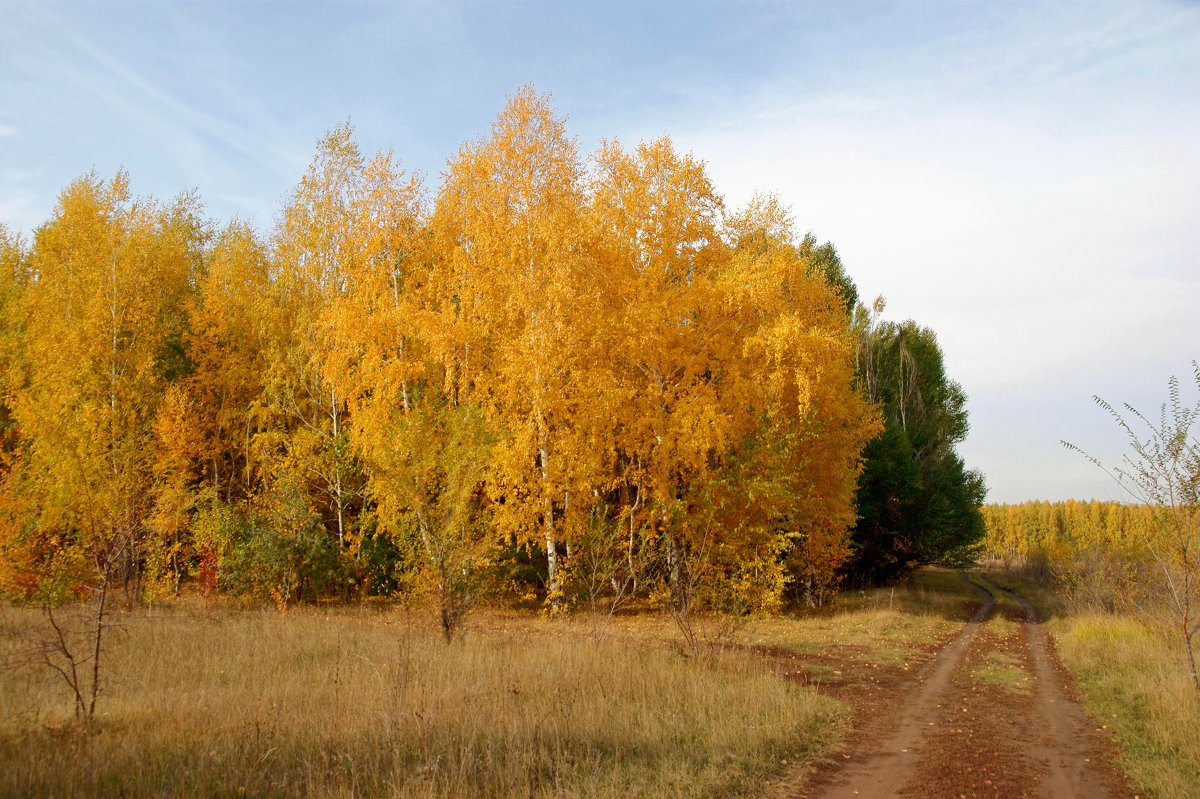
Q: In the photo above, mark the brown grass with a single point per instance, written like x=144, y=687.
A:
x=228, y=701
x=886, y=625
x=368, y=703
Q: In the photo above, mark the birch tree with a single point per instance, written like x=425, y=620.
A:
x=787, y=301
x=307, y=443
x=233, y=324
x=514, y=278
x=658, y=218
x=112, y=278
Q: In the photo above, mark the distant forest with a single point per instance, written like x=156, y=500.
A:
x=554, y=380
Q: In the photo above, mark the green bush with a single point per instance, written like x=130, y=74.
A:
x=381, y=565
x=286, y=556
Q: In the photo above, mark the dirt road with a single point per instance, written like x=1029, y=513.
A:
x=990, y=716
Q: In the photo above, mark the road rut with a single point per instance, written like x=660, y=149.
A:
x=958, y=734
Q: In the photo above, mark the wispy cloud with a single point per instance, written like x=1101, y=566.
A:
x=249, y=143
x=134, y=92
x=1021, y=178
x=1021, y=191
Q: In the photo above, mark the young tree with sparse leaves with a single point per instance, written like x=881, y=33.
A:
x=1162, y=471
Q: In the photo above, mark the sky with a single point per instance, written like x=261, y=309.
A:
x=1023, y=178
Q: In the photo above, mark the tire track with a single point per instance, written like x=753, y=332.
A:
x=1064, y=743
x=886, y=764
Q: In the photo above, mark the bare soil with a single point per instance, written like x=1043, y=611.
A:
x=990, y=713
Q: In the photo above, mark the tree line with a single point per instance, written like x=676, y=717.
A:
x=1041, y=530
x=1098, y=550
x=554, y=377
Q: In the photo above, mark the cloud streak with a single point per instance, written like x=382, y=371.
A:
x=183, y=119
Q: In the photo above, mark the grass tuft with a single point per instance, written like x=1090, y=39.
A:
x=1004, y=671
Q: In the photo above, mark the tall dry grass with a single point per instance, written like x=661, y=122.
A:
x=365, y=703
x=1132, y=676
x=886, y=625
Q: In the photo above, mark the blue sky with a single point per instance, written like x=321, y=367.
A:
x=1023, y=178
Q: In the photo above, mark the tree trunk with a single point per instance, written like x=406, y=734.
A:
x=552, y=586
x=337, y=473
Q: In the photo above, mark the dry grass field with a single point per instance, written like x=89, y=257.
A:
x=1133, y=681
x=223, y=700
x=367, y=703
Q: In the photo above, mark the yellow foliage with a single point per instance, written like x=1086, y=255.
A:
x=112, y=277
x=555, y=346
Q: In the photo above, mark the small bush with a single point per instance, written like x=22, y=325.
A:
x=284, y=557
x=381, y=565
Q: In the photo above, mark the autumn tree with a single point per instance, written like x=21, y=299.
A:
x=425, y=446
x=430, y=483
x=789, y=301
x=305, y=441
x=168, y=550
x=587, y=367
x=13, y=280
x=232, y=325
x=661, y=247
x=513, y=284
x=103, y=321
x=735, y=351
